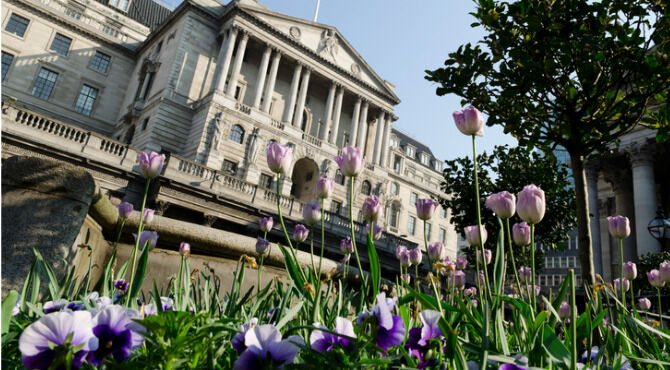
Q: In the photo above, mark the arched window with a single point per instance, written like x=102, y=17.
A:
x=366, y=187
x=394, y=188
x=339, y=177
x=237, y=134
x=394, y=214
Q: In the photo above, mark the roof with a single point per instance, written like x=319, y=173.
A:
x=406, y=139
x=148, y=12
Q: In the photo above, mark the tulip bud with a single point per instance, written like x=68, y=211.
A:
x=482, y=278
x=415, y=256
x=470, y=292
x=425, y=208
x=125, y=210
x=300, y=233
x=472, y=236
x=324, y=187
x=151, y=164
x=436, y=251
x=184, y=249
x=399, y=250
x=150, y=237
x=377, y=231
x=266, y=224
x=619, y=226
x=351, y=161
x=521, y=234
x=262, y=246
x=469, y=121
x=644, y=303
x=564, y=310
x=617, y=285
x=406, y=278
x=487, y=256
x=147, y=215
x=525, y=273
x=629, y=270
x=279, y=157
x=372, y=208
x=502, y=204
x=655, y=279
x=311, y=213
x=664, y=271
x=531, y=204
x=405, y=260
x=346, y=246
x=461, y=263
x=457, y=279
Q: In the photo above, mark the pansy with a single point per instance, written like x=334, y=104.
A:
x=391, y=330
x=117, y=333
x=266, y=349
x=238, y=339
x=322, y=341
x=429, y=330
x=53, y=306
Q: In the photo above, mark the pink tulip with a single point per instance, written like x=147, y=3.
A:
x=151, y=164
x=521, y=234
x=472, y=236
x=617, y=285
x=503, y=204
x=351, y=161
x=399, y=250
x=487, y=256
x=564, y=310
x=425, y=208
x=619, y=226
x=372, y=208
x=324, y=187
x=300, y=233
x=664, y=271
x=184, y=249
x=265, y=224
x=469, y=121
x=346, y=246
x=125, y=210
x=655, y=279
x=311, y=213
x=461, y=263
x=629, y=270
x=376, y=233
x=644, y=303
x=415, y=256
x=436, y=251
x=531, y=205
x=262, y=246
x=457, y=278
x=279, y=157
x=147, y=215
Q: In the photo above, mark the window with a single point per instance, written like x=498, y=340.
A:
x=86, y=99
x=110, y=29
x=425, y=159
x=428, y=230
x=410, y=151
x=394, y=188
x=443, y=211
x=45, y=82
x=7, y=60
x=60, y=44
x=17, y=25
x=145, y=123
x=437, y=165
x=394, y=142
x=121, y=4
x=229, y=167
x=413, y=198
x=74, y=11
x=149, y=85
x=366, y=187
x=443, y=236
x=339, y=177
x=393, y=217
x=396, y=164
x=345, y=139
x=237, y=134
x=336, y=207
x=100, y=62
x=159, y=46
x=266, y=181
x=411, y=225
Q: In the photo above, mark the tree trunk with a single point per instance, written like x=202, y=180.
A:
x=583, y=222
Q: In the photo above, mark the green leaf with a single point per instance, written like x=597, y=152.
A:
x=499, y=267
x=54, y=286
x=554, y=347
x=7, y=307
x=289, y=315
x=291, y=266
x=139, y=274
x=375, y=271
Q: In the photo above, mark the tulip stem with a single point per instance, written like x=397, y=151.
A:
x=531, y=291
x=260, y=271
x=283, y=227
x=323, y=215
x=479, y=217
x=511, y=254
x=573, y=321
x=137, y=241
x=353, y=233
x=660, y=311
x=311, y=248
x=623, y=293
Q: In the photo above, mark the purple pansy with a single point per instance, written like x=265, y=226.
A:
x=117, y=333
x=265, y=347
x=238, y=339
x=391, y=330
x=121, y=285
x=53, y=306
x=321, y=341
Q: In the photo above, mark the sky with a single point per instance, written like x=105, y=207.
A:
x=400, y=40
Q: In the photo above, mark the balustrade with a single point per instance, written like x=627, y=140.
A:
x=311, y=139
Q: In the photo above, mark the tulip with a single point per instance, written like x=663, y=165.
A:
x=406, y=278
x=461, y=263
x=457, y=278
x=346, y=246
x=147, y=215
x=619, y=226
x=262, y=246
x=564, y=310
x=629, y=270
x=472, y=236
x=279, y=157
x=521, y=234
x=399, y=251
x=425, y=208
x=617, y=285
x=150, y=164
x=664, y=271
x=469, y=121
x=324, y=187
x=436, y=251
x=415, y=256
x=644, y=303
x=531, y=204
x=405, y=260
x=502, y=204
x=300, y=233
x=470, y=292
x=655, y=279
x=266, y=224
x=473, y=302
x=351, y=161
x=125, y=210
x=372, y=208
x=525, y=273
x=487, y=256
x=311, y=213
x=184, y=249
x=482, y=279
x=376, y=233
x=150, y=237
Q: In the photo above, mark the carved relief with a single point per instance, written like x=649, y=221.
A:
x=356, y=69
x=295, y=32
x=328, y=46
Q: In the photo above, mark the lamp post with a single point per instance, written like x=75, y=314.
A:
x=659, y=227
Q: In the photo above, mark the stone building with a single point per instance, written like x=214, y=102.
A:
x=210, y=85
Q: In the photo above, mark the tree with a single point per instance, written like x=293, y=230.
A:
x=572, y=73
x=511, y=169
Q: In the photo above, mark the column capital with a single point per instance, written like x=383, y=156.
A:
x=640, y=155
x=619, y=177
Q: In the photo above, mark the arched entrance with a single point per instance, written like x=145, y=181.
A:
x=305, y=175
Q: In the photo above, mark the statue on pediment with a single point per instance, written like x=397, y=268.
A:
x=328, y=46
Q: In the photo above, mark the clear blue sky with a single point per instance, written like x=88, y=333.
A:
x=400, y=40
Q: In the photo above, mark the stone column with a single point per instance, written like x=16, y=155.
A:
x=237, y=66
x=620, y=179
x=387, y=137
x=354, y=121
x=267, y=100
x=592, y=185
x=336, y=116
x=363, y=127
x=288, y=110
x=225, y=54
x=300, y=107
x=644, y=192
x=262, y=72
x=379, y=137
x=329, y=112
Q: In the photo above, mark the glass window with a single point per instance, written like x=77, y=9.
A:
x=428, y=229
x=413, y=198
x=339, y=177
x=266, y=181
x=410, y=151
x=393, y=217
x=100, y=62
x=145, y=124
x=394, y=188
x=86, y=99
x=237, y=134
x=396, y=164
x=7, y=60
x=17, y=25
x=121, y=4
x=425, y=159
x=336, y=207
x=229, y=167
x=45, y=82
x=443, y=211
x=61, y=44
x=411, y=225
x=443, y=236
x=74, y=11
x=110, y=29
x=366, y=188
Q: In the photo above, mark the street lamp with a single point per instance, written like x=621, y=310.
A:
x=659, y=227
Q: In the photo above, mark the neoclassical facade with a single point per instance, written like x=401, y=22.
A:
x=210, y=85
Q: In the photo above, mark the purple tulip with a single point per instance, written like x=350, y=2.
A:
x=629, y=270
x=265, y=224
x=564, y=310
x=487, y=256
x=391, y=330
x=655, y=279
x=405, y=259
x=121, y=285
x=321, y=341
x=311, y=213
x=262, y=246
x=151, y=164
x=372, y=208
x=147, y=236
x=415, y=256
x=265, y=347
x=377, y=233
x=300, y=233
x=125, y=210
x=644, y=303
x=531, y=204
x=473, y=302
x=525, y=273
x=457, y=278
x=238, y=340
x=147, y=215
x=482, y=278
x=521, y=234
x=617, y=285
x=118, y=335
x=53, y=306
x=461, y=263
x=619, y=226
x=406, y=278
x=664, y=271
x=346, y=246
x=530, y=289
x=436, y=251
x=279, y=157
x=425, y=208
x=184, y=249
x=470, y=292
x=503, y=204
x=472, y=236
x=399, y=251
x=469, y=121
x=39, y=342
x=324, y=187
x=351, y=161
